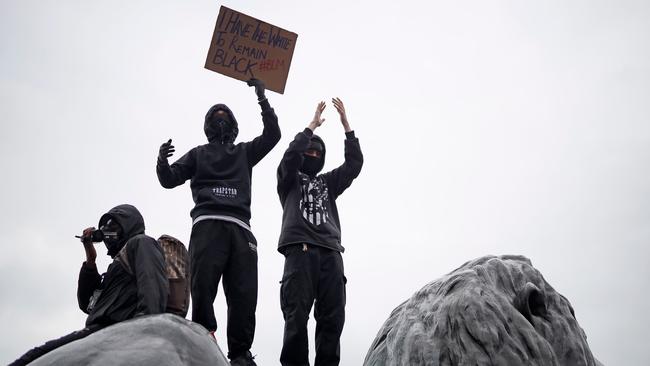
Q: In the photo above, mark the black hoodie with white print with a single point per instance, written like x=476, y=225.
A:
x=135, y=283
x=309, y=207
x=220, y=171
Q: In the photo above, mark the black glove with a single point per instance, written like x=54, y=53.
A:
x=166, y=150
x=259, y=88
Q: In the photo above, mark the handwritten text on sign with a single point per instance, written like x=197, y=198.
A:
x=244, y=47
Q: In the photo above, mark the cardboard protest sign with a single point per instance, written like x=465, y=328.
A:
x=244, y=47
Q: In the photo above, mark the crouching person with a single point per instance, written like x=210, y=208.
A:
x=311, y=242
x=134, y=284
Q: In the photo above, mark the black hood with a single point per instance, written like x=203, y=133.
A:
x=322, y=157
x=129, y=218
x=215, y=134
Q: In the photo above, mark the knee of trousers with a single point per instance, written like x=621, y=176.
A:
x=295, y=311
x=332, y=318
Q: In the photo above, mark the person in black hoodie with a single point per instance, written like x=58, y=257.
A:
x=221, y=242
x=134, y=284
x=311, y=242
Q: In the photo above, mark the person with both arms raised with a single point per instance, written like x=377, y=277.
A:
x=311, y=242
x=222, y=242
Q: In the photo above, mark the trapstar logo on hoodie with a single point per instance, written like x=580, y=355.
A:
x=225, y=192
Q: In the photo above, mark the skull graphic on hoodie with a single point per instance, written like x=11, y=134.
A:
x=313, y=201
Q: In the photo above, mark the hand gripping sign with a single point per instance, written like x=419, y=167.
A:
x=244, y=47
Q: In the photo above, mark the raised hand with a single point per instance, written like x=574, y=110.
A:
x=318, y=120
x=87, y=236
x=166, y=150
x=260, y=88
x=89, y=248
x=338, y=104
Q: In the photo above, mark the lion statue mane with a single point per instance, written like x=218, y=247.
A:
x=490, y=311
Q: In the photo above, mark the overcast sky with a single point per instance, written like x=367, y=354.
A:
x=488, y=127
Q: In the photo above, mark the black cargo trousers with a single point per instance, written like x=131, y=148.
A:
x=312, y=274
x=219, y=248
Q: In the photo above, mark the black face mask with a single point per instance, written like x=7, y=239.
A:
x=221, y=130
x=113, y=240
x=311, y=165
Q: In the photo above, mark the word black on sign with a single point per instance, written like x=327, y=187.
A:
x=244, y=47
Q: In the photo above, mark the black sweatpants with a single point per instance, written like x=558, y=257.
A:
x=224, y=248
x=312, y=273
x=49, y=346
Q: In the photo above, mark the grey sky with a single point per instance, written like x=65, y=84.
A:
x=488, y=127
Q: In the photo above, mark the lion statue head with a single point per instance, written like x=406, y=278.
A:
x=490, y=311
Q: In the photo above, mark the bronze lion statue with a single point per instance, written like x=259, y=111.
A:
x=490, y=311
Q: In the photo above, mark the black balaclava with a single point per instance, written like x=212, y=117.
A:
x=218, y=129
x=113, y=236
x=122, y=222
x=312, y=165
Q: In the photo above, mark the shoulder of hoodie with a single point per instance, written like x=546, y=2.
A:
x=141, y=239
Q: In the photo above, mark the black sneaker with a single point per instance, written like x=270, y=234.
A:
x=244, y=360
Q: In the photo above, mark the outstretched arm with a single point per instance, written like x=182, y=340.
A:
x=293, y=157
x=176, y=174
x=340, y=178
x=263, y=144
